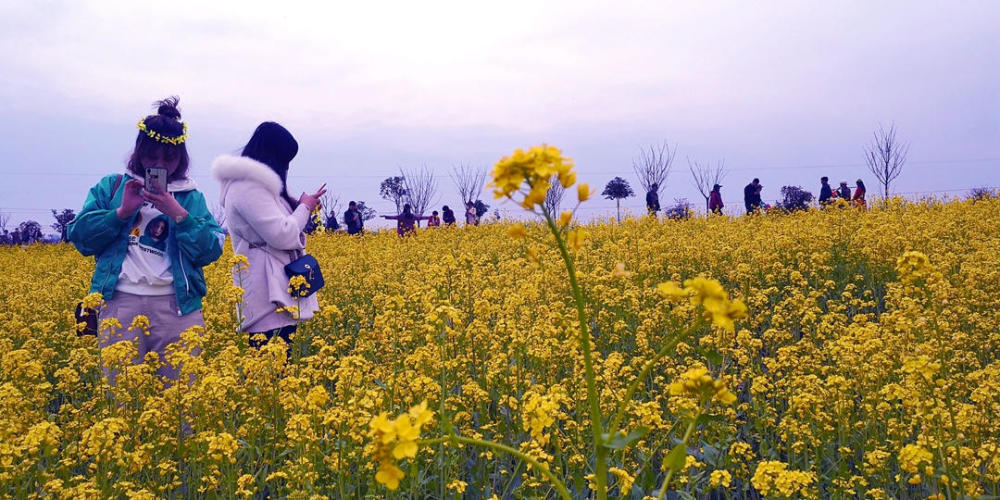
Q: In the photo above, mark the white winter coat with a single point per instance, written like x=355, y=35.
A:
x=265, y=229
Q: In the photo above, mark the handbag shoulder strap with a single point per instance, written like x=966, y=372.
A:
x=118, y=182
x=267, y=249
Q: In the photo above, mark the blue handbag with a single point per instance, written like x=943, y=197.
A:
x=307, y=267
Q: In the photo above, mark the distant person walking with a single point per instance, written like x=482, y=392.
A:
x=825, y=192
x=715, y=200
x=859, y=196
x=653, y=199
x=267, y=226
x=751, y=196
x=353, y=220
x=471, y=218
x=448, y=216
x=406, y=221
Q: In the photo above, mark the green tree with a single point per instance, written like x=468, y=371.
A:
x=618, y=189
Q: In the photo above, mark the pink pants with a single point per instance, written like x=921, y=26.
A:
x=165, y=327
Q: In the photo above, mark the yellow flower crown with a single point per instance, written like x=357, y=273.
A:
x=158, y=137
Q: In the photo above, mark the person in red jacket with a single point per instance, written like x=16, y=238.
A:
x=715, y=200
x=859, y=196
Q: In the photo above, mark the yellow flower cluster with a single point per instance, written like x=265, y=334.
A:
x=298, y=286
x=158, y=137
x=535, y=169
x=396, y=439
x=709, y=294
x=697, y=383
x=774, y=479
x=913, y=266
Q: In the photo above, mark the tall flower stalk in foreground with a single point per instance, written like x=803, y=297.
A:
x=525, y=177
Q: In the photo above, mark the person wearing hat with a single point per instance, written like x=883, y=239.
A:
x=266, y=225
x=715, y=200
x=150, y=244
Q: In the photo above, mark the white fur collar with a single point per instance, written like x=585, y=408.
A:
x=228, y=168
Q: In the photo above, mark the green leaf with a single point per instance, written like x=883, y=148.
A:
x=705, y=418
x=675, y=459
x=619, y=441
x=714, y=357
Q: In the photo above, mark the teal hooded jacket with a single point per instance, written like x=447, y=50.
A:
x=192, y=244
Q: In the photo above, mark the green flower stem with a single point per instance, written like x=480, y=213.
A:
x=600, y=452
x=535, y=464
x=634, y=386
x=684, y=442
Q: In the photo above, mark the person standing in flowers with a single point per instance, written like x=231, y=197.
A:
x=471, y=219
x=825, y=192
x=653, y=199
x=266, y=225
x=405, y=222
x=448, y=215
x=435, y=220
x=353, y=220
x=751, y=196
x=715, y=200
x=150, y=246
x=859, y=196
x=844, y=192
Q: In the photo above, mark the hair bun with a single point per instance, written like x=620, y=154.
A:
x=168, y=107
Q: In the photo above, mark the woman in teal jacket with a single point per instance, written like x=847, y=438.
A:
x=150, y=246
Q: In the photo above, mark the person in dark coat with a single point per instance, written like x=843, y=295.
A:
x=448, y=216
x=825, y=192
x=715, y=200
x=751, y=196
x=653, y=199
x=331, y=222
x=844, y=192
x=352, y=219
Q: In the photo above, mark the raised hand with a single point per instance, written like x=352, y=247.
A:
x=131, y=199
x=311, y=200
x=165, y=203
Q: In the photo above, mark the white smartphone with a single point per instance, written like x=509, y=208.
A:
x=156, y=179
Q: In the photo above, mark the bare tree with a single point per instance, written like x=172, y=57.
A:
x=469, y=181
x=421, y=188
x=653, y=166
x=554, y=196
x=706, y=175
x=886, y=156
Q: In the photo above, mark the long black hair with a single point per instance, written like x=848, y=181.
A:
x=166, y=122
x=274, y=146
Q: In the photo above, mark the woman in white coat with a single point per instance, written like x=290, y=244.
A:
x=266, y=225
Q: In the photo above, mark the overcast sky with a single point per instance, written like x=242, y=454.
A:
x=785, y=91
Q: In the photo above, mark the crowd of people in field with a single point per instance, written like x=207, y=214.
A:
x=406, y=221
x=753, y=202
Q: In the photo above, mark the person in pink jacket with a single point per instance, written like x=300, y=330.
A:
x=266, y=225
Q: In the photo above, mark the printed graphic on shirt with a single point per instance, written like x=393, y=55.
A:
x=153, y=239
